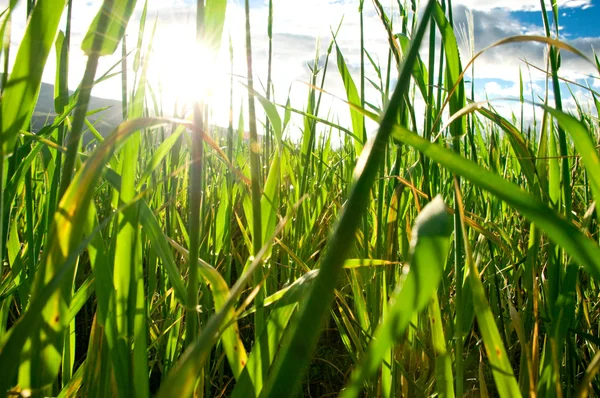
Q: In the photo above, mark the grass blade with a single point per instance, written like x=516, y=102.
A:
x=285, y=377
x=429, y=250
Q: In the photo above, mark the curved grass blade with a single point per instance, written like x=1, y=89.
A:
x=52, y=295
x=22, y=87
x=288, y=370
x=159, y=243
x=519, y=145
x=429, y=250
x=510, y=40
x=584, y=144
x=353, y=98
x=161, y=152
x=182, y=379
x=272, y=114
x=565, y=234
x=234, y=348
x=118, y=13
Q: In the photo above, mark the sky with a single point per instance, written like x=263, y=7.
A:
x=302, y=25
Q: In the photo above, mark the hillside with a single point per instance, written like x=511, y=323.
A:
x=105, y=121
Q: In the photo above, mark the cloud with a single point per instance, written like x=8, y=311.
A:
x=504, y=61
x=299, y=26
x=520, y=5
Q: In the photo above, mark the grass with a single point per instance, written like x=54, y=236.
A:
x=444, y=256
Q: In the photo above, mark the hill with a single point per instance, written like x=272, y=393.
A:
x=105, y=121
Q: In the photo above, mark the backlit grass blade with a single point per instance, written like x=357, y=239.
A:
x=5, y=33
x=456, y=99
x=53, y=300
x=24, y=82
x=273, y=115
x=269, y=88
x=182, y=379
x=255, y=191
x=419, y=72
x=112, y=29
x=94, y=46
x=155, y=234
x=554, y=60
x=234, y=348
x=128, y=281
x=286, y=302
x=269, y=202
x=429, y=249
x=585, y=146
x=353, y=98
x=214, y=20
x=161, y=152
x=285, y=377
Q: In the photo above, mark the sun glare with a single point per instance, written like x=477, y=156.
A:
x=187, y=71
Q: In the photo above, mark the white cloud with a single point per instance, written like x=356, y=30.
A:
x=520, y=5
x=297, y=28
x=493, y=89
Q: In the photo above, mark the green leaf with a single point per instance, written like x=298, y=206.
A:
x=161, y=152
x=444, y=380
x=453, y=69
x=585, y=146
x=53, y=279
x=269, y=199
x=286, y=302
x=285, y=377
x=273, y=115
x=583, y=250
x=110, y=35
x=23, y=85
x=429, y=250
x=214, y=20
x=353, y=98
x=160, y=244
x=496, y=352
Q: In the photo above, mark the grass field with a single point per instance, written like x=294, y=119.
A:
x=454, y=253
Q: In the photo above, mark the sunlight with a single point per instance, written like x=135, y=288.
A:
x=187, y=71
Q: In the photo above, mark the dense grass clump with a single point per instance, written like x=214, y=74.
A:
x=445, y=256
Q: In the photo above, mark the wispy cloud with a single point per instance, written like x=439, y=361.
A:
x=520, y=5
x=300, y=25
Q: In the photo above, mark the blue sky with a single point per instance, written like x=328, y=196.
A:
x=575, y=22
x=300, y=24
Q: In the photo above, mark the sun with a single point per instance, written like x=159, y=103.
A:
x=185, y=70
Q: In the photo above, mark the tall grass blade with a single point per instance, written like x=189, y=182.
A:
x=285, y=377
x=582, y=249
x=429, y=250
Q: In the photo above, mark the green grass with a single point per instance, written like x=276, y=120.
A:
x=445, y=257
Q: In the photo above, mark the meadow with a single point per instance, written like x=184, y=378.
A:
x=454, y=253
